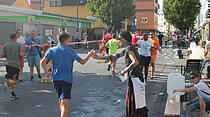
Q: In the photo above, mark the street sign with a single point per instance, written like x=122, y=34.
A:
x=31, y=18
x=144, y=20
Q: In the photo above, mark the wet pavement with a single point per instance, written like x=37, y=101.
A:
x=94, y=94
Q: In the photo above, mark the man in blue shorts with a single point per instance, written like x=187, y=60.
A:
x=33, y=54
x=62, y=59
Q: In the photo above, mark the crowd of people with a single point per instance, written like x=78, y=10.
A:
x=137, y=64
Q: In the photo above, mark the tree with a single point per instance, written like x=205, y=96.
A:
x=181, y=13
x=112, y=12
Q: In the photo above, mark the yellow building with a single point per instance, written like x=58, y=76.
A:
x=16, y=3
x=69, y=8
x=22, y=4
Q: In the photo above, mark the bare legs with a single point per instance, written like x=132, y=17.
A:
x=32, y=70
x=64, y=107
x=21, y=73
x=202, y=107
x=13, y=82
x=152, y=69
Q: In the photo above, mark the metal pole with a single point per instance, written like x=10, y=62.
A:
x=77, y=32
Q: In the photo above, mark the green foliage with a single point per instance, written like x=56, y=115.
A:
x=112, y=12
x=181, y=13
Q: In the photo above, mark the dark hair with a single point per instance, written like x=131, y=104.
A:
x=114, y=36
x=63, y=37
x=63, y=29
x=196, y=74
x=126, y=35
x=109, y=30
x=13, y=36
x=18, y=30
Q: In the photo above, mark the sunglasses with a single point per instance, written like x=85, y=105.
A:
x=192, y=77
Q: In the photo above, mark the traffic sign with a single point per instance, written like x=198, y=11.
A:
x=144, y=20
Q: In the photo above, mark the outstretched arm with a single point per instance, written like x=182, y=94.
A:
x=111, y=57
x=185, y=90
x=83, y=61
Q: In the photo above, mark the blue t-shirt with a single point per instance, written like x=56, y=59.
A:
x=34, y=50
x=62, y=59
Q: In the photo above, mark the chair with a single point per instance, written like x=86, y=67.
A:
x=191, y=65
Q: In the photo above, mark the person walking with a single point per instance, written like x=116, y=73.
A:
x=166, y=40
x=202, y=102
x=34, y=54
x=112, y=45
x=21, y=40
x=106, y=38
x=153, y=53
x=13, y=52
x=146, y=46
x=160, y=38
x=62, y=58
x=135, y=95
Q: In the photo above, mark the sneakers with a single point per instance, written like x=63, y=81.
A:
x=39, y=75
x=32, y=78
x=5, y=85
x=109, y=67
x=14, y=96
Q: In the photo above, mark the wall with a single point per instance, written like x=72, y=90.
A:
x=146, y=9
x=22, y=4
x=68, y=10
x=83, y=11
x=36, y=4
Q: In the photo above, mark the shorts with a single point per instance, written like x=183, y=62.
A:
x=153, y=58
x=63, y=89
x=107, y=51
x=160, y=43
x=196, y=105
x=145, y=61
x=11, y=71
x=33, y=60
x=22, y=62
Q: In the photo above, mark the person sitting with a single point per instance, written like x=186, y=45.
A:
x=202, y=102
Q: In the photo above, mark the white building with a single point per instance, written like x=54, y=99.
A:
x=163, y=25
x=203, y=20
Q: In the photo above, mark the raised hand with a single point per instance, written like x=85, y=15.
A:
x=92, y=53
x=95, y=56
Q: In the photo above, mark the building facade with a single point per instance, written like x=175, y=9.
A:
x=146, y=15
x=71, y=8
x=13, y=18
x=37, y=4
x=16, y=3
x=203, y=20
